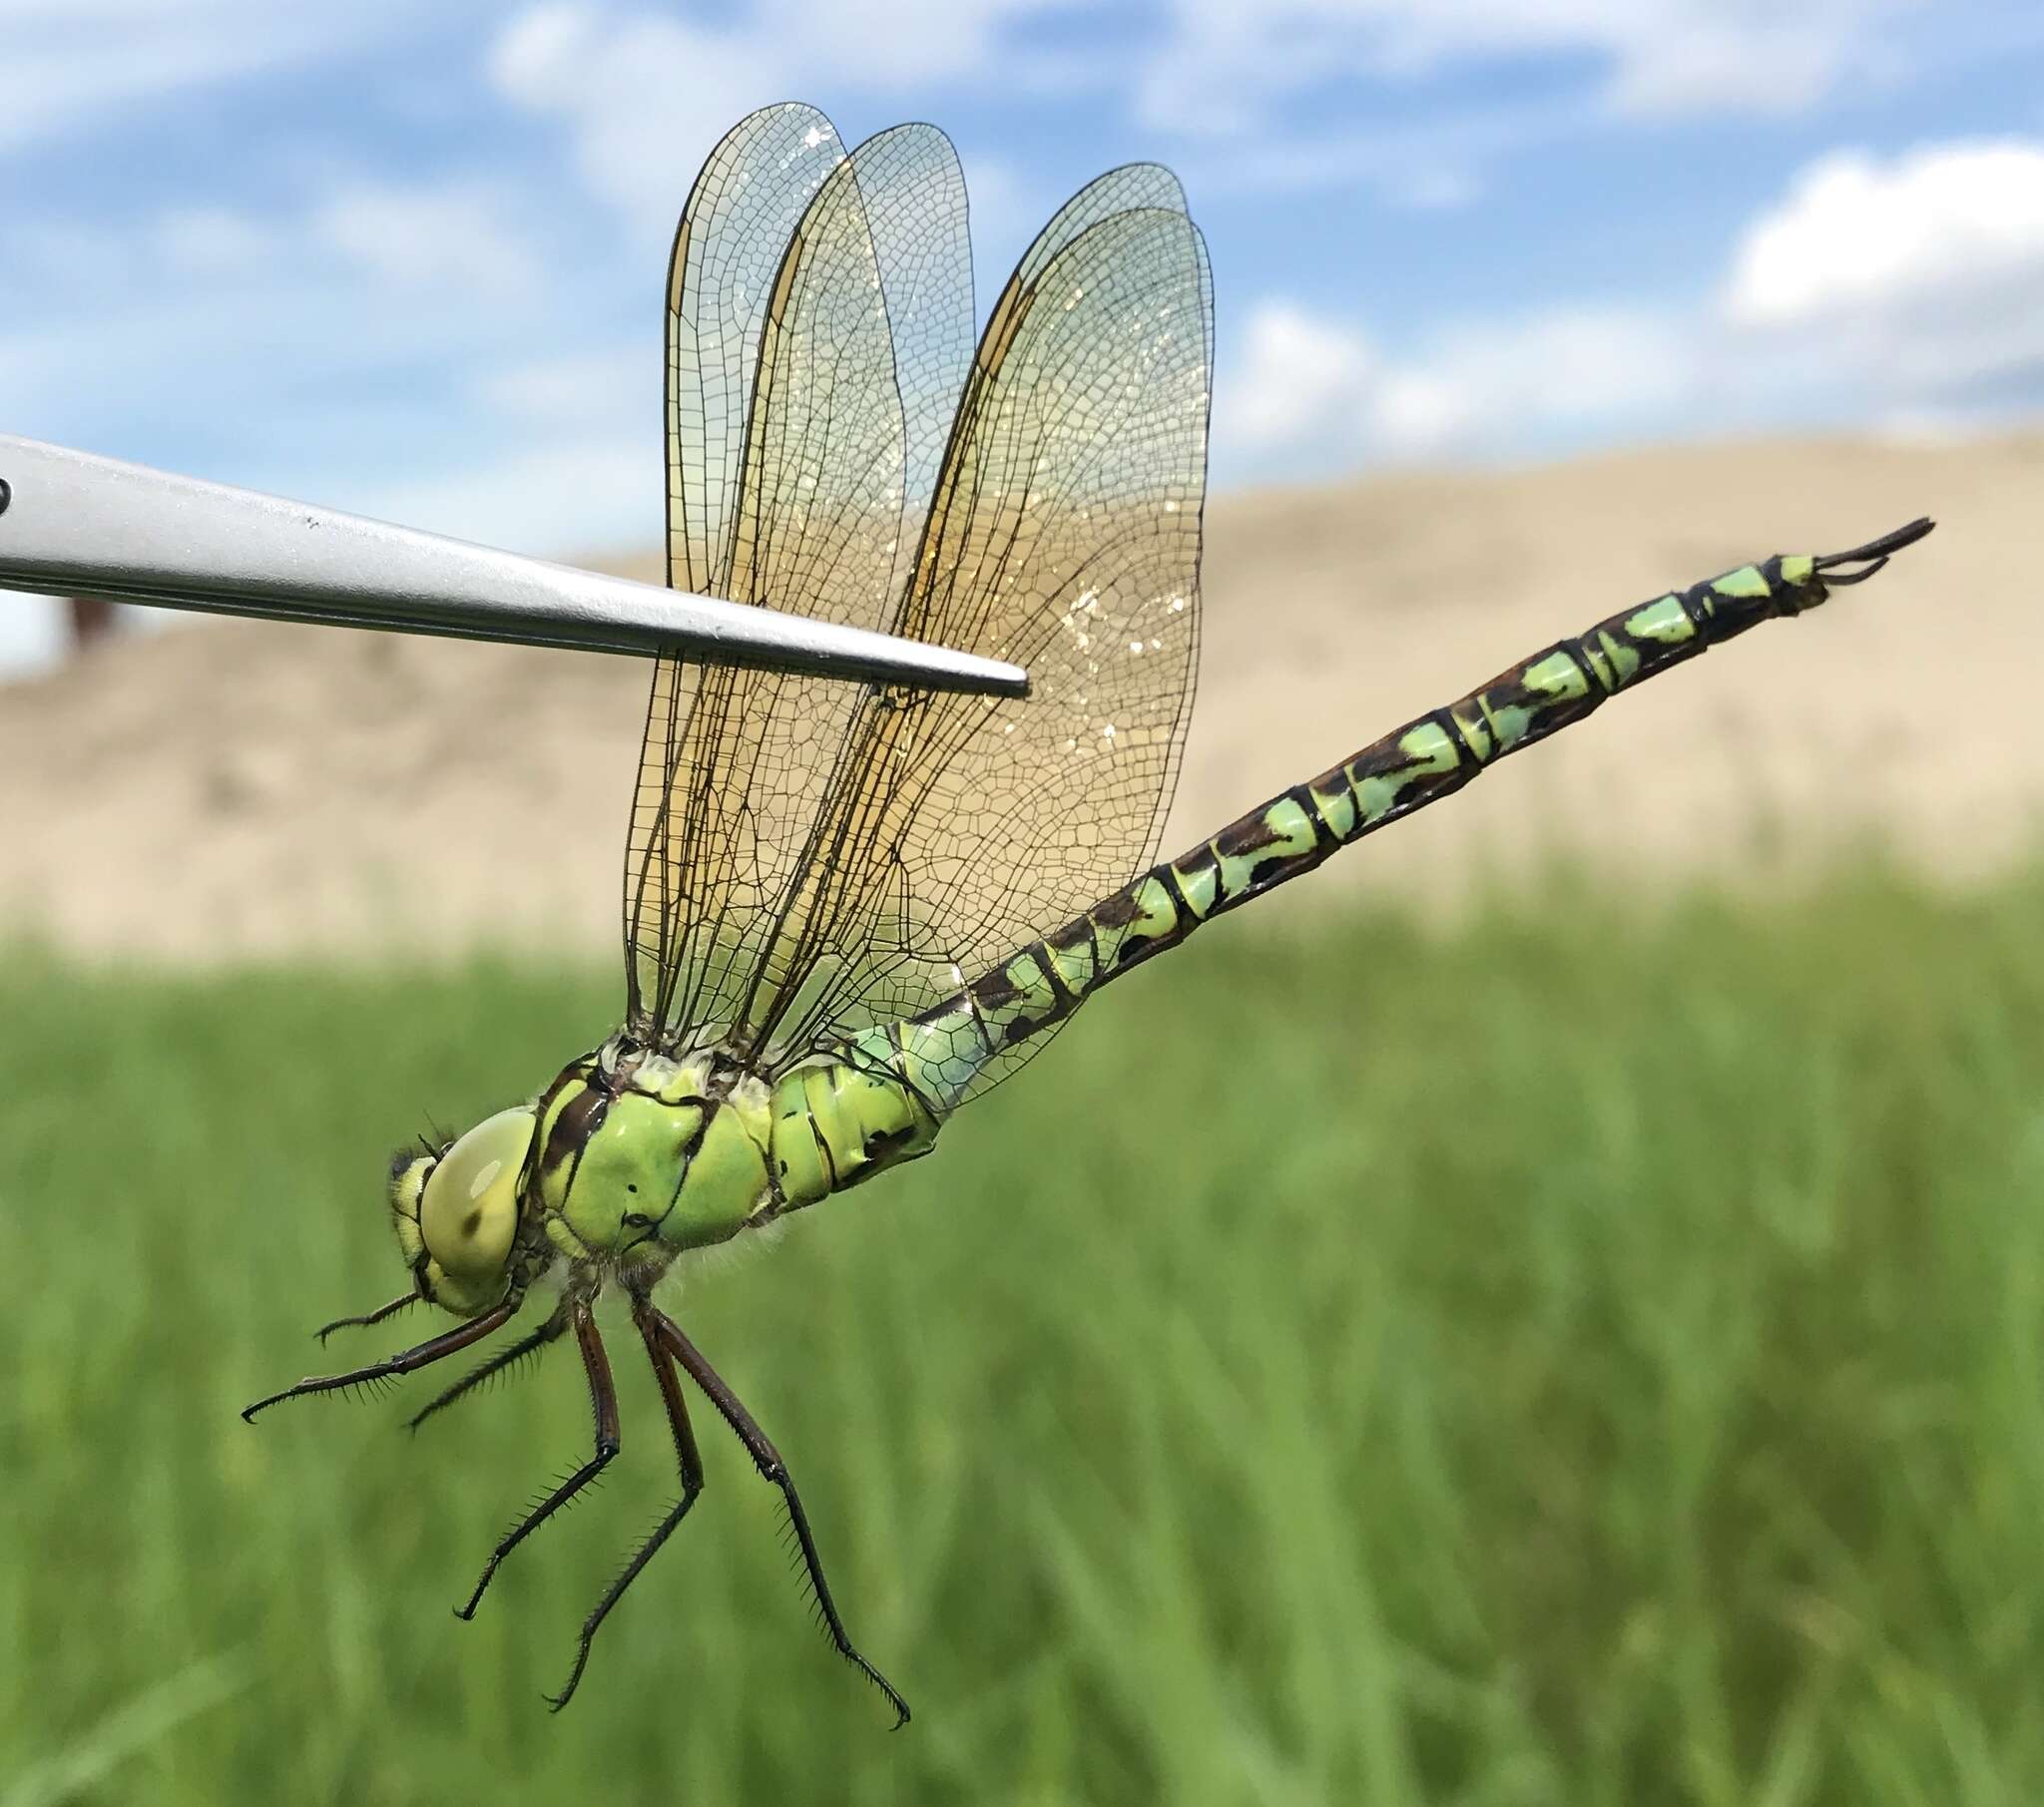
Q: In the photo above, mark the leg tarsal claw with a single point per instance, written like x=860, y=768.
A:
x=368, y=1318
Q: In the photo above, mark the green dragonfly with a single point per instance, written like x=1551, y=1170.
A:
x=849, y=909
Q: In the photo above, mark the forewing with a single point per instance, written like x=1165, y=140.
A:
x=820, y=511
x=752, y=192
x=914, y=196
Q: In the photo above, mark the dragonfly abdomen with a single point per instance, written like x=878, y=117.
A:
x=943, y=1050
x=836, y=1123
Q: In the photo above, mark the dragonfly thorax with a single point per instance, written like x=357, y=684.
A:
x=632, y=1156
x=639, y=1155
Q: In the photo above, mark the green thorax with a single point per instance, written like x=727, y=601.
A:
x=639, y=1155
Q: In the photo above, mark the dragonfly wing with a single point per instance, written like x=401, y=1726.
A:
x=753, y=191
x=1078, y=548
x=914, y=197
x=1064, y=535
x=795, y=486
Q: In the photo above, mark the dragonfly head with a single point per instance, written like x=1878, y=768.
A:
x=456, y=1211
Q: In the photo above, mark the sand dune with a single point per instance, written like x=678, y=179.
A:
x=246, y=790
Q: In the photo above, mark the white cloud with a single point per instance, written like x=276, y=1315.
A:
x=1007, y=206
x=895, y=47
x=214, y=241
x=1907, y=290
x=313, y=350
x=575, y=389
x=1432, y=161
x=1563, y=370
x=1917, y=273
x=1434, y=188
x=1307, y=386
x=1855, y=232
x=66, y=64
x=1303, y=378
x=551, y=497
x=629, y=85
x=402, y=265
x=1221, y=67
x=457, y=234
x=629, y=90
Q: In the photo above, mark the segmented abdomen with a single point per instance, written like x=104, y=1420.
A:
x=941, y=1051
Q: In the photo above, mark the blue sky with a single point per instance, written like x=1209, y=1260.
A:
x=407, y=257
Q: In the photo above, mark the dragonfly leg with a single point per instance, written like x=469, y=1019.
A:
x=603, y=1405
x=508, y=1357
x=686, y=1459
x=368, y=1317
x=767, y=1459
x=449, y=1342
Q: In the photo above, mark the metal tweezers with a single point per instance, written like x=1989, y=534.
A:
x=77, y=524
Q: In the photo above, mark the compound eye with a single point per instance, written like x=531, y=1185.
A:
x=469, y=1211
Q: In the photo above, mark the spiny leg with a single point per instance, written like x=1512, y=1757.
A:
x=368, y=1317
x=686, y=1459
x=767, y=1459
x=449, y=1342
x=507, y=1357
x=603, y=1405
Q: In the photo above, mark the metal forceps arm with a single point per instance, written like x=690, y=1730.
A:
x=76, y=523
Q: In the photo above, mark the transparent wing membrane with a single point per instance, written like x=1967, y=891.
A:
x=731, y=789
x=810, y=858
x=751, y=191
x=1066, y=530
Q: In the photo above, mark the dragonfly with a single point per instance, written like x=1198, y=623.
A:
x=851, y=909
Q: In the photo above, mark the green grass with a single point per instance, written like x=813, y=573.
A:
x=1578, y=1361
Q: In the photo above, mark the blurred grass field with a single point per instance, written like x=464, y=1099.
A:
x=1574, y=1360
